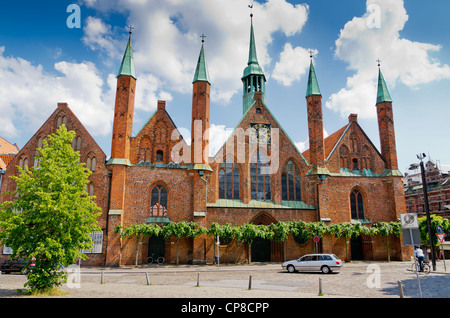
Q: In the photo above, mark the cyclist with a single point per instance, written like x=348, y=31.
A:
x=419, y=255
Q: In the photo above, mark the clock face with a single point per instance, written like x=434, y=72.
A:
x=260, y=133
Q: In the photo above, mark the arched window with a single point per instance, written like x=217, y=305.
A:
x=159, y=156
x=357, y=205
x=260, y=178
x=228, y=181
x=291, y=183
x=158, y=204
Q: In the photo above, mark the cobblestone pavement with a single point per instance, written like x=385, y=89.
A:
x=355, y=280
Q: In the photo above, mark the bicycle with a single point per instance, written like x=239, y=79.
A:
x=155, y=258
x=425, y=267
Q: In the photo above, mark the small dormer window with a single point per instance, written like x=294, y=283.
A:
x=258, y=110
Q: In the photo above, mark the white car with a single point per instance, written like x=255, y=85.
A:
x=326, y=263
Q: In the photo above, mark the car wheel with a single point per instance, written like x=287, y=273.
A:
x=325, y=270
x=291, y=269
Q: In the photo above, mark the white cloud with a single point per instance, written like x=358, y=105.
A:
x=218, y=135
x=28, y=95
x=403, y=60
x=166, y=38
x=292, y=65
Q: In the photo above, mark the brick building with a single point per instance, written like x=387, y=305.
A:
x=258, y=176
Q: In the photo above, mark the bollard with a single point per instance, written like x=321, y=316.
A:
x=148, y=280
x=400, y=289
x=250, y=282
x=198, y=279
x=320, y=287
x=102, y=280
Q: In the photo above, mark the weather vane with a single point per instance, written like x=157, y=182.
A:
x=251, y=10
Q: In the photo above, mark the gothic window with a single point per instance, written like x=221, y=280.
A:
x=90, y=188
x=37, y=153
x=91, y=163
x=355, y=164
x=291, y=183
x=62, y=119
x=158, y=204
x=228, y=181
x=344, y=153
x=159, y=156
x=260, y=178
x=357, y=205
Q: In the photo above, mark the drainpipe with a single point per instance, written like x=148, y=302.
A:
x=201, y=173
x=322, y=179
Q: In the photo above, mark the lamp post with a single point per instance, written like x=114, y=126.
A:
x=427, y=210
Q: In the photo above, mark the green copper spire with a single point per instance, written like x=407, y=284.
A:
x=201, y=72
x=313, y=85
x=383, y=93
x=253, y=79
x=253, y=67
x=127, y=66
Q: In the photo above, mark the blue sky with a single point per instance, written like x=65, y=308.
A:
x=43, y=62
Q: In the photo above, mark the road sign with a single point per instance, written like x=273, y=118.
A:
x=316, y=239
x=439, y=229
x=441, y=237
x=409, y=221
x=411, y=237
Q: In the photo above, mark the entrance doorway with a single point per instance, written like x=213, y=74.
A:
x=356, y=248
x=156, y=245
x=261, y=250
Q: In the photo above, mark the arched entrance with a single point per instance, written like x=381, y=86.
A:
x=156, y=245
x=264, y=250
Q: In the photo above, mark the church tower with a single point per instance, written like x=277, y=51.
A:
x=124, y=106
x=253, y=79
x=120, y=150
x=386, y=124
x=315, y=123
x=200, y=111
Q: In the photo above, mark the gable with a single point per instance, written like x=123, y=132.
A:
x=241, y=146
x=352, y=150
x=83, y=142
x=157, y=139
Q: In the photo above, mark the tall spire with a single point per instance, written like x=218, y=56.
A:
x=127, y=66
x=383, y=93
x=313, y=85
x=253, y=78
x=201, y=71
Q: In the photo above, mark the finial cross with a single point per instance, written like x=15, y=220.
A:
x=130, y=27
x=379, y=62
x=311, y=53
x=203, y=37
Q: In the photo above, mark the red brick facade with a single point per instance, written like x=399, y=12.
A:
x=152, y=176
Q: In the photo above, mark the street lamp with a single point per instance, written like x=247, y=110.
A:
x=427, y=210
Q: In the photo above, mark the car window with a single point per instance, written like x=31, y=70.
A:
x=305, y=258
x=326, y=257
x=315, y=257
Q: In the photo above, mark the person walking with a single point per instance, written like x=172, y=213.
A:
x=419, y=255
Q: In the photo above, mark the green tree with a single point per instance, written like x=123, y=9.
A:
x=139, y=231
x=434, y=222
x=182, y=229
x=51, y=219
x=386, y=229
x=248, y=232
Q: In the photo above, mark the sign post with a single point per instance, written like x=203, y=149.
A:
x=441, y=237
x=409, y=221
x=316, y=240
